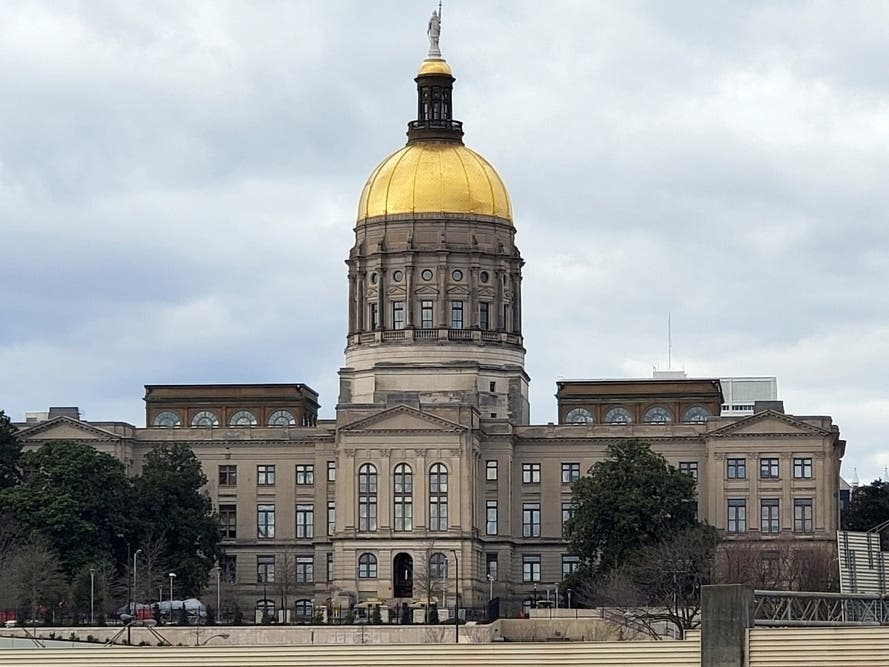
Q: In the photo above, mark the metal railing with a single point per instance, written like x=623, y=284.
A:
x=792, y=608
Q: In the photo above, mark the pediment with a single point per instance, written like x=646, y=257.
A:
x=487, y=292
x=768, y=423
x=396, y=290
x=458, y=290
x=427, y=289
x=372, y=291
x=403, y=418
x=65, y=428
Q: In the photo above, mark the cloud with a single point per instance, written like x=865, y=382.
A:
x=178, y=185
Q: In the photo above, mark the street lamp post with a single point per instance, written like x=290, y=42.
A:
x=456, y=597
x=491, y=580
x=218, y=593
x=172, y=577
x=135, y=593
x=92, y=595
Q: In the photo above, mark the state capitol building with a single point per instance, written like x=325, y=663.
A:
x=431, y=463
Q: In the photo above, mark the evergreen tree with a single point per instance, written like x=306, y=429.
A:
x=10, y=453
x=631, y=500
x=170, y=502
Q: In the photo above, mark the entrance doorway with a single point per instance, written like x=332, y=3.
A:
x=403, y=576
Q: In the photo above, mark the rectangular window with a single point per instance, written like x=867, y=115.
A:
x=331, y=471
x=456, y=314
x=530, y=519
x=768, y=516
x=768, y=564
x=228, y=566
x=568, y=509
x=736, y=468
x=802, y=515
x=802, y=467
x=569, y=565
x=530, y=568
x=331, y=517
x=425, y=314
x=530, y=473
x=768, y=468
x=305, y=475
x=398, y=314
x=374, y=316
x=265, y=475
x=305, y=521
x=689, y=468
x=228, y=522
x=265, y=521
x=491, y=471
x=305, y=569
x=491, y=566
x=737, y=516
x=228, y=475
x=265, y=569
x=570, y=472
x=329, y=567
x=484, y=317
x=491, y=517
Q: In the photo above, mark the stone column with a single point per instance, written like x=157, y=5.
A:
x=409, y=302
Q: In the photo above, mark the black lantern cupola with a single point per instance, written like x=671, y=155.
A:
x=435, y=86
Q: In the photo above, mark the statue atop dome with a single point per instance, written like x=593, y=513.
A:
x=433, y=31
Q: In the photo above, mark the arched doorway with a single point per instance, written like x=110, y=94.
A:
x=403, y=576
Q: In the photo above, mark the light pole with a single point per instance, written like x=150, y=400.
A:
x=218, y=593
x=456, y=597
x=92, y=595
x=569, y=591
x=172, y=577
x=135, y=593
x=491, y=580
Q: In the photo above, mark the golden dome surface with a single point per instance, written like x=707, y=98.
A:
x=434, y=66
x=434, y=177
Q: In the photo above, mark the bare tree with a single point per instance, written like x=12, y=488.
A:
x=781, y=564
x=11, y=538
x=152, y=569
x=285, y=577
x=661, y=587
x=36, y=575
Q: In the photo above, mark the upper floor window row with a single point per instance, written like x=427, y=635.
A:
x=209, y=419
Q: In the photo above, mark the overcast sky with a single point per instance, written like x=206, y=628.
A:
x=179, y=183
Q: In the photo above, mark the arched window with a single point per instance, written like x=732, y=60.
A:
x=438, y=566
x=367, y=566
x=579, y=416
x=367, y=498
x=167, y=419
x=265, y=607
x=618, y=416
x=403, y=495
x=205, y=418
x=303, y=609
x=243, y=418
x=438, y=497
x=696, y=414
x=282, y=418
x=657, y=415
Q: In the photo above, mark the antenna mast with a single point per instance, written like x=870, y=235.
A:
x=669, y=343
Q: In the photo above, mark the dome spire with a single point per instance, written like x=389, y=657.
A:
x=435, y=84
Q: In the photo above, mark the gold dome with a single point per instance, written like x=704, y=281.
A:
x=434, y=66
x=434, y=177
